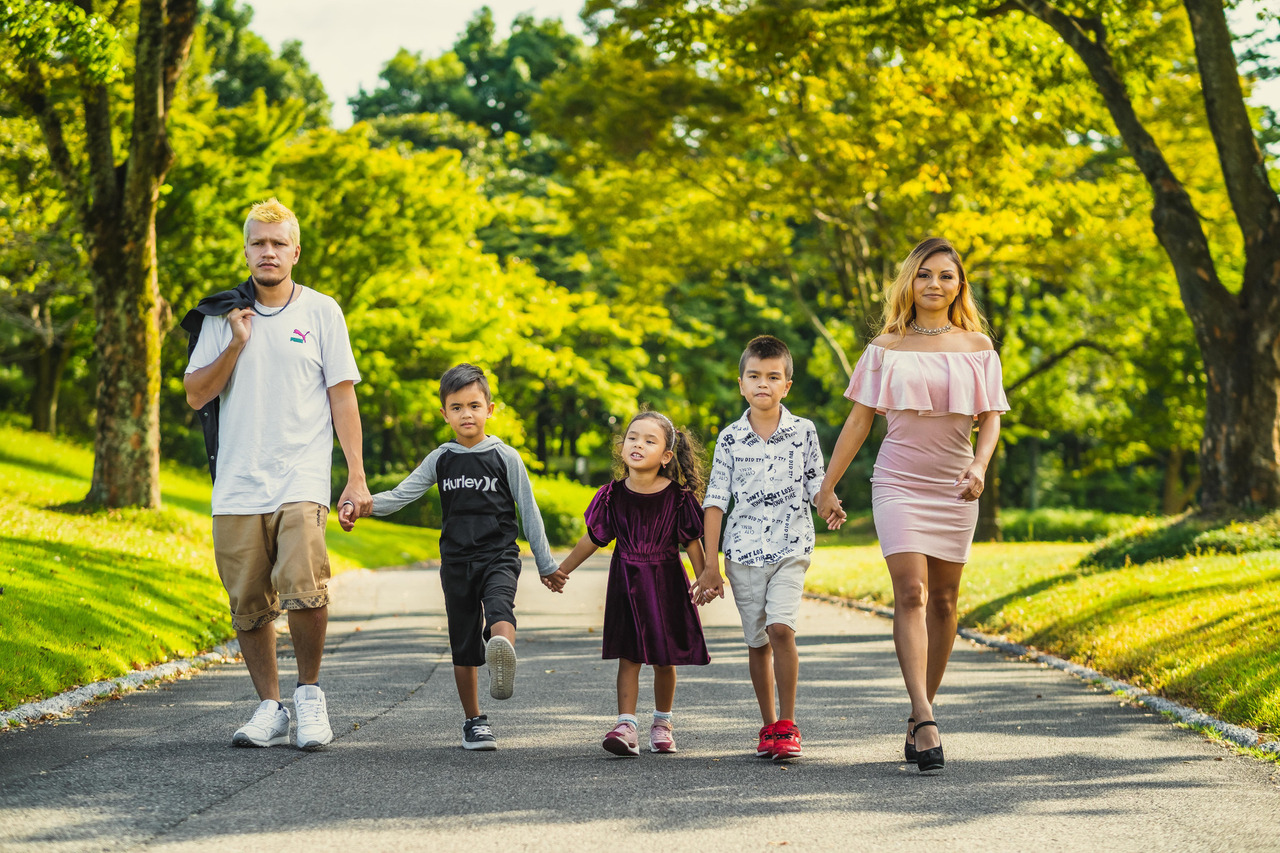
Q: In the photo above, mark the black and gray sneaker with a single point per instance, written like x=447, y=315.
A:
x=478, y=734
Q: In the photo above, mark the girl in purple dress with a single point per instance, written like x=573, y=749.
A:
x=648, y=615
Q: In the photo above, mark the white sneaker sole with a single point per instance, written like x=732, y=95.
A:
x=316, y=743
x=243, y=739
x=479, y=745
x=500, y=657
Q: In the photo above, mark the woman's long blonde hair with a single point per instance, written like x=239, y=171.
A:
x=900, y=305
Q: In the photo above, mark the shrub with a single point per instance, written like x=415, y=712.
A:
x=1180, y=536
x=1055, y=524
x=562, y=503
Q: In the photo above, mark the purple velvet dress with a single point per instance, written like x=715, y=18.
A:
x=648, y=617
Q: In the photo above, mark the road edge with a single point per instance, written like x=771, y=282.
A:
x=1239, y=735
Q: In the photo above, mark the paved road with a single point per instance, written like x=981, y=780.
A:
x=1036, y=760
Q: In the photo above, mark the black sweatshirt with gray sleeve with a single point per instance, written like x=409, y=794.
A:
x=480, y=489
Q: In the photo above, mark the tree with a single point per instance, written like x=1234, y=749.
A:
x=1236, y=328
x=242, y=63
x=44, y=286
x=62, y=63
x=482, y=80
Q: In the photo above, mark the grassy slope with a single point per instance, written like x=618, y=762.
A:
x=90, y=596
x=1204, y=631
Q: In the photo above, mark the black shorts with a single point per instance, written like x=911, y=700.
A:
x=476, y=595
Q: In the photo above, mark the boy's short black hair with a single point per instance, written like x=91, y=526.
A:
x=765, y=346
x=461, y=376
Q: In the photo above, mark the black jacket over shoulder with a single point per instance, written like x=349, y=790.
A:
x=214, y=305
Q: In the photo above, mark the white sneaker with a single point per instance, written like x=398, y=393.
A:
x=269, y=726
x=500, y=656
x=313, y=717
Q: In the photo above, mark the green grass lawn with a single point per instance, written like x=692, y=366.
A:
x=1201, y=630
x=87, y=596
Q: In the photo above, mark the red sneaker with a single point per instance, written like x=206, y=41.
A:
x=786, y=740
x=765, y=747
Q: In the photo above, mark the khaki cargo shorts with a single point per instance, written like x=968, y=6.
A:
x=271, y=561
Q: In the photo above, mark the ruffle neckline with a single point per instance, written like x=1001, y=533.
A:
x=933, y=384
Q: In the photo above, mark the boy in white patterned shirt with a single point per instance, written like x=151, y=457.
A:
x=770, y=464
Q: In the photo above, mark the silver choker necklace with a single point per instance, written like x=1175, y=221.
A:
x=920, y=330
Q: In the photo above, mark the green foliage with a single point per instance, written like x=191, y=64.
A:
x=1173, y=538
x=242, y=64
x=1061, y=524
x=562, y=504
x=481, y=81
x=1199, y=630
x=60, y=35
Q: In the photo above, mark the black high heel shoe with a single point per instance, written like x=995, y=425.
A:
x=908, y=748
x=929, y=761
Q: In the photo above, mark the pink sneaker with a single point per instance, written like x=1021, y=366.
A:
x=622, y=740
x=661, y=738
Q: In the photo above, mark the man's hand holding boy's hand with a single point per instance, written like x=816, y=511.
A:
x=556, y=580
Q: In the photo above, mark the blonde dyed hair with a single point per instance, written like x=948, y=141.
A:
x=272, y=211
x=900, y=304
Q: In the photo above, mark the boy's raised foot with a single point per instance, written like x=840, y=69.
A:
x=786, y=740
x=269, y=726
x=623, y=741
x=500, y=656
x=764, y=749
x=478, y=734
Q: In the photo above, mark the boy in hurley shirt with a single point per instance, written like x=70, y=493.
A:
x=769, y=463
x=481, y=482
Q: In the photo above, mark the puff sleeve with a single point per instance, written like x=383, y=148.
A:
x=688, y=518
x=599, y=521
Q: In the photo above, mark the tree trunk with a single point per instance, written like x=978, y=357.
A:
x=51, y=362
x=116, y=204
x=989, y=504
x=126, y=465
x=1238, y=336
x=1033, y=474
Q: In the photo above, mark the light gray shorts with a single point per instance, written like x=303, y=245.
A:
x=767, y=595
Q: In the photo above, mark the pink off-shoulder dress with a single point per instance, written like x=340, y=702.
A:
x=930, y=400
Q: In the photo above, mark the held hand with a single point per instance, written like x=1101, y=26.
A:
x=556, y=580
x=708, y=587
x=357, y=494
x=837, y=518
x=827, y=504
x=971, y=481
x=347, y=516
x=241, y=324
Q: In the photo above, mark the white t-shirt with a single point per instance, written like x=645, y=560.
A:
x=275, y=429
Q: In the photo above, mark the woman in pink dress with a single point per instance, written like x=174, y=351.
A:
x=932, y=373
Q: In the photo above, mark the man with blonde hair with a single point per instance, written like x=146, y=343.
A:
x=272, y=373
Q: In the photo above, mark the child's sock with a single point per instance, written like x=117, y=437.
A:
x=629, y=718
x=662, y=716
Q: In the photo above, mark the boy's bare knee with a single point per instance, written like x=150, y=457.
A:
x=779, y=633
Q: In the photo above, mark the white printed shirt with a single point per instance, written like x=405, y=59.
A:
x=772, y=484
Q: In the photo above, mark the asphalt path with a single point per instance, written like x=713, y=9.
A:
x=1036, y=760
